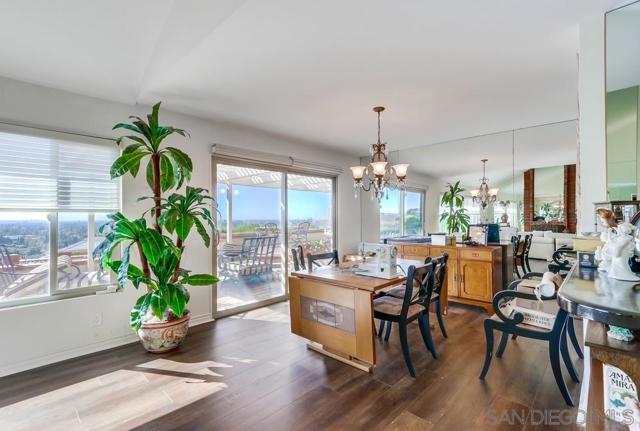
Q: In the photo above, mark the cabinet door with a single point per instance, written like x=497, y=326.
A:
x=476, y=280
x=452, y=268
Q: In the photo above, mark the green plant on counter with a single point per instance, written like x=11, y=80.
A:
x=160, y=255
x=455, y=217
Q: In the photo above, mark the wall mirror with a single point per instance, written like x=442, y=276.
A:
x=622, y=102
x=534, y=170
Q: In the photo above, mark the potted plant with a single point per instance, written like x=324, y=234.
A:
x=456, y=217
x=159, y=316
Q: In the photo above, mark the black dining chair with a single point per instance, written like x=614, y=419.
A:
x=331, y=258
x=440, y=277
x=512, y=323
x=412, y=306
x=297, y=255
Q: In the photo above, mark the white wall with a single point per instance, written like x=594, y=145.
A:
x=592, y=179
x=35, y=335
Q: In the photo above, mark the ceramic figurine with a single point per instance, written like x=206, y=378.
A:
x=622, y=247
x=603, y=254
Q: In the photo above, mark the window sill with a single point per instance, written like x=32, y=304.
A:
x=81, y=293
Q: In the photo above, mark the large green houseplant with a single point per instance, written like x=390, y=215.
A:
x=455, y=217
x=160, y=246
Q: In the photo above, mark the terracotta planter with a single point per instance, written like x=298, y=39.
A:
x=164, y=336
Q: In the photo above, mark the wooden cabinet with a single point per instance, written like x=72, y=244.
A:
x=475, y=274
x=476, y=280
x=452, y=269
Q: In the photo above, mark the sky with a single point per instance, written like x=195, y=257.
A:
x=262, y=203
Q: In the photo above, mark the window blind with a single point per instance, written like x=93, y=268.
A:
x=50, y=174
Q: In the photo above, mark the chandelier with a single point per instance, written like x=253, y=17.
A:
x=378, y=175
x=484, y=195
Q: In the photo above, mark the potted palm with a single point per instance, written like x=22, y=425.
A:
x=455, y=217
x=160, y=315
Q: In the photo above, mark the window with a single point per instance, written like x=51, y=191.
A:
x=55, y=193
x=402, y=213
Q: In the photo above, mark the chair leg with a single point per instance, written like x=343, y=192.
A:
x=402, y=329
x=502, y=345
x=554, y=358
x=423, y=323
x=381, y=328
x=388, y=333
x=574, y=339
x=440, y=319
x=488, y=333
x=566, y=357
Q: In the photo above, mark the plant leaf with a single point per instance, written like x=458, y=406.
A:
x=152, y=245
x=202, y=231
x=167, y=176
x=125, y=163
x=139, y=310
x=158, y=304
x=183, y=226
x=201, y=280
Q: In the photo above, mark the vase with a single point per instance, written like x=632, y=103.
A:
x=158, y=337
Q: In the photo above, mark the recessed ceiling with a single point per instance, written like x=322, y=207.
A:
x=312, y=70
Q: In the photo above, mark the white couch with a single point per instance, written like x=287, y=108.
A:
x=544, y=243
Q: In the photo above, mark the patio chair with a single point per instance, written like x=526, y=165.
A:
x=299, y=235
x=254, y=257
x=12, y=281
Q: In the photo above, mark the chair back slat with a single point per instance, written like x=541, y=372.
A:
x=440, y=272
x=332, y=257
x=418, y=288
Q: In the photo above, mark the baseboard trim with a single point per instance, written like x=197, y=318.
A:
x=111, y=343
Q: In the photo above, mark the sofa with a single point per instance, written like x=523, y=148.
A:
x=544, y=243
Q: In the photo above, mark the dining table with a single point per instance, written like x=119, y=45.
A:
x=332, y=307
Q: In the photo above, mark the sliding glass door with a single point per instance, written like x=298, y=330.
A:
x=310, y=214
x=262, y=214
x=249, y=255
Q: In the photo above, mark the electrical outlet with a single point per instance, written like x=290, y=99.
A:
x=97, y=319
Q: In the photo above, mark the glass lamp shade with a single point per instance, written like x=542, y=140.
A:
x=358, y=172
x=379, y=168
x=493, y=192
x=475, y=193
x=401, y=170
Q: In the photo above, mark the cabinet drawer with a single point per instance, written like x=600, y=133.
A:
x=437, y=251
x=480, y=254
x=415, y=250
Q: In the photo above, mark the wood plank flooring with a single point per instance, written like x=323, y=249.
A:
x=248, y=372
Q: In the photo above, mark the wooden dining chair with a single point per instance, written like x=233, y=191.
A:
x=412, y=306
x=297, y=255
x=331, y=258
x=440, y=277
x=512, y=323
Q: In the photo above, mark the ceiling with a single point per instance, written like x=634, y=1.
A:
x=312, y=70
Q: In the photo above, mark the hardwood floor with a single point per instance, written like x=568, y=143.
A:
x=249, y=372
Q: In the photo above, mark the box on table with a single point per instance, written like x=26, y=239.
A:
x=586, y=243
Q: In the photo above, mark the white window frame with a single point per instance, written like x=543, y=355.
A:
x=54, y=293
